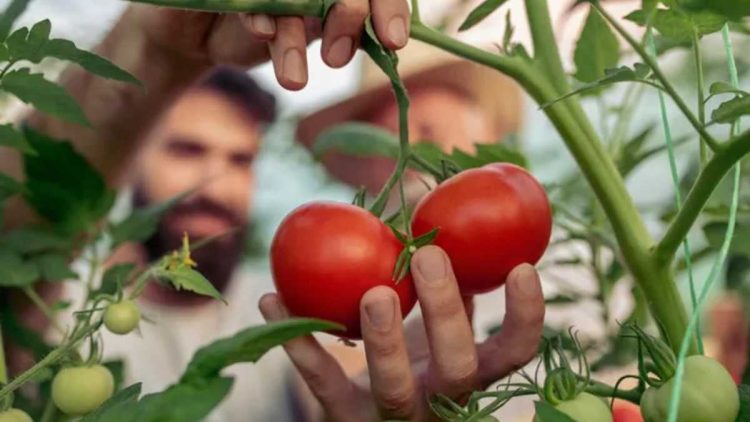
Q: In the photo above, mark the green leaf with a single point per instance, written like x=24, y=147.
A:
x=638, y=73
x=114, y=279
x=62, y=186
x=545, y=412
x=716, y=231
x=249, y=345
x=120, y=402
x=731, y=110
x=722, y=87
x=10, y=137
x=597, y=49
x=731, y=9
x=45, y=96
x=9, y=187
x=498, y=153
x=10, y=15
x=680, y=25
x=185, y=278
x=32, y=239
x=142, y=223
x=34, y=45
x=358, y=139
x=53, y=267
x=15, y=272
x=480, y=13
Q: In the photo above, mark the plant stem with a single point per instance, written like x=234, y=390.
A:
x=3, y=367
x=661, y=77
x=708, y=179
x=603, y=390
x=51, y=358
x=42, y=306
x=415, y=17
x=698, y=57
x=545, y=44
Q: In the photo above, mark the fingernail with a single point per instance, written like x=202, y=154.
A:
x=397, y=31
x=340, y=51
x=431, y=264
x=263, y=24
x=380, y=313
x=294, y=66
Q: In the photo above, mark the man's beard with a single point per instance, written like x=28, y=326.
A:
x=217, y=259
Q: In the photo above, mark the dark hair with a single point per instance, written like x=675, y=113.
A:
x=238, y=87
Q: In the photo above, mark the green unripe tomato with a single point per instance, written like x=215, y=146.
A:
x=585, y=408
x=82, y=389
x=122, y=317
x=708, y=395
x=15, y=415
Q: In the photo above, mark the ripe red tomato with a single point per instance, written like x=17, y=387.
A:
x=490, y=220
x=325, y=256
x=626, y=412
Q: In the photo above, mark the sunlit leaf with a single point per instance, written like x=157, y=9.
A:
x=480, y=13
x=597, y=49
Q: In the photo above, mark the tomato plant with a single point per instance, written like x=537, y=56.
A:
x=15, y=415
x=326, y=256
x=489, y=220
x=122, y=317
x=79, y=390
x=708, y=394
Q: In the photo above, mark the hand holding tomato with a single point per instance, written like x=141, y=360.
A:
x=436, y=355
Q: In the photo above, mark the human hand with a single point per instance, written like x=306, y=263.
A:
x=439, y=354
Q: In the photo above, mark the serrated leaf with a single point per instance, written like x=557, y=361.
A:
x=12, y=138
x=597, y=49
x=142, y=223
x=62, y=186
x=185, y=278
x=15, y=272
x=9, y=16
x=114, y=279
x=44, y=95
x=480, y=13
x=498, y=153
x=731, y=110
x=99, y=66
x=53, y=267
x=545, y=412
x=722, y=87
x=249, y=345
x=358, y=139
x=679, y=25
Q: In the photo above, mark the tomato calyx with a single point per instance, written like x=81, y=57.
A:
x=562, y=382
x=662, y=362
x=403, y=264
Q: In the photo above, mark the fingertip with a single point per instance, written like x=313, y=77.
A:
x=430, y=263
x=271, y=308
x=526, y=276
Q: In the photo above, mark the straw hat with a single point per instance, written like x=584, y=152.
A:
x=423, y=65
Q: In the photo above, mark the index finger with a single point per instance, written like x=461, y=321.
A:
x=391, y=19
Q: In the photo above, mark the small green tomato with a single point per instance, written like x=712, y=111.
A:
x=82, y=389
x=15, y=415
x=585, y=408
x=122, y=317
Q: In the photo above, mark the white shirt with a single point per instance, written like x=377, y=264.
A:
x=158, y=355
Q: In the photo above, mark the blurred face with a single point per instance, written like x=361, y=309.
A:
x=437, y=114
x=204, y=142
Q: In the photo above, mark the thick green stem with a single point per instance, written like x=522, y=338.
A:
x=273, y=7
x=698, y=57
x=603, y=390
x=707, y=181
x=545, y=44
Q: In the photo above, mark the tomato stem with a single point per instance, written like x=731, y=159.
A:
x=273, y=7
x=3, y=367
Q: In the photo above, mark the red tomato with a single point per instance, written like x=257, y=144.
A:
x=626, y=412
x=326, y=256
x=490, y=220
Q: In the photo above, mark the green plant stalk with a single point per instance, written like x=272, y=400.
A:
x=698, y=57
x=661, y=77
x=272, y=7
x=708, y=179
x=544, y=80
x=3, y=367
x=674, y=174
x=51, y=358
x=603, y=390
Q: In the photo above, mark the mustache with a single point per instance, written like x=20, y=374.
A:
x=203, y=205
